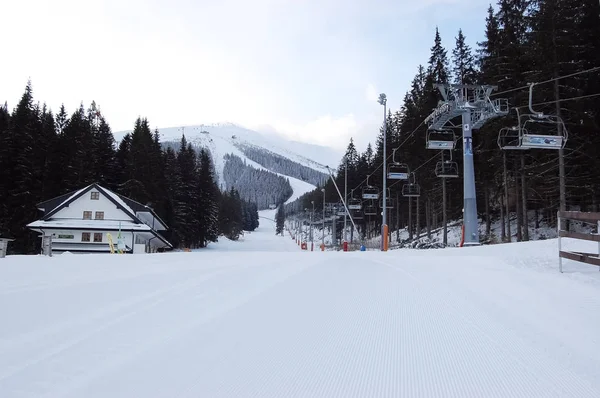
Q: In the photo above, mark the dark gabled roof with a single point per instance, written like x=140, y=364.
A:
x=50, y=204
x=67, y=201
x=137, y=206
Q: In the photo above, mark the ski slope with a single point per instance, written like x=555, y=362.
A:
x=260, y=318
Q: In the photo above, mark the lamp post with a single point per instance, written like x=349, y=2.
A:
x=384, y=227
x=345, y=202
x=323, y=237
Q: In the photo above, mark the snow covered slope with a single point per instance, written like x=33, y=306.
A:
x=267, y=320
x=221, y=139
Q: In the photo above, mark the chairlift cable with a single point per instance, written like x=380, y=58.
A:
x=503, y=92
x=547, y=81
x=560, y=100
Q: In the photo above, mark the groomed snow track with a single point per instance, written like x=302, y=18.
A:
x=295, y=324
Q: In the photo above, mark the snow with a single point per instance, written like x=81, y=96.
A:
x=218, y=138
x=219, y=142
x=260, y=317
x=87, y=224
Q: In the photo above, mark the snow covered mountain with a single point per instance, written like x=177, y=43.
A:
x=291, y=159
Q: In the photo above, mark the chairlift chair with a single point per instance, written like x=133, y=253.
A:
x=397, y=170
x=543, y=132
x=356, y=214
x=370, y=192
x=535, y=130
x=370, y=210
x=412, y=189
x=446, y=168
x=441, y=139
x=354, y=204
x=510, y=138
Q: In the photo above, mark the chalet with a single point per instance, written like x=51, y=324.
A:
x=84, y=221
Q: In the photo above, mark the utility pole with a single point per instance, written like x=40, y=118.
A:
x=384, y=226
x=473, y=104
x=323, y=237
x=312, y=214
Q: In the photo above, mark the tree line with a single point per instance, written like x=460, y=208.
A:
x=552, y=41
x=43, y=155
x=256, y=185
x=282, y=165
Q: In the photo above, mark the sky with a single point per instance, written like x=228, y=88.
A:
x=311, y=70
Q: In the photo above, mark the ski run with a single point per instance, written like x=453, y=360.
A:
x=261, y=318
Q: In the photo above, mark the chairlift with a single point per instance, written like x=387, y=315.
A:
x=441, y=139
x=354, y=204
x=412, y=189
x=535, y=130
x=446, y=168
x=356, y=214
x=543, y=132
x=370, y=210
x=396, y=170
x=510, y=138
x=370, y=192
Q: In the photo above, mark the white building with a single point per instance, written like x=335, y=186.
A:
x=82, y=221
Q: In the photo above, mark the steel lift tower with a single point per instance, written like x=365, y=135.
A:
x=473, y=104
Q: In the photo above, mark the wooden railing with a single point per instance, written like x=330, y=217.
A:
x=590, y=218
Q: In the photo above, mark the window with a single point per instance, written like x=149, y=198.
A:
x=87, y=215
x=97, y=236
x=99, y=215
x=85, y=236
x=95, y=195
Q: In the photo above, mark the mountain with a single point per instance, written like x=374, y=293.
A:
x=302, y=164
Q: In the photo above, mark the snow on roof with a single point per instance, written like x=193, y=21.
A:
x=71, y=197
x=117, y=199
x=91, y=224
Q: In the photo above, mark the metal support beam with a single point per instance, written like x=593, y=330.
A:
x=469, y=196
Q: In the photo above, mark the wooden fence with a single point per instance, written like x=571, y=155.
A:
x=589, y=218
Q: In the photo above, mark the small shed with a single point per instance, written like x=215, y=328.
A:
x=4, y=246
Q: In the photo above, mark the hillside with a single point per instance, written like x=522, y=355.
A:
x=260, y=151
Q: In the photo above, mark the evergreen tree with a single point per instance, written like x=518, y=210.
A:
x=21, y=174
x=185, y=214
x=207, y=209
x=173, y=193
x=230, y=215
x=464, y=62
x=279, y=220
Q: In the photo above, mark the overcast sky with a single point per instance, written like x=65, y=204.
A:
x=310, y=69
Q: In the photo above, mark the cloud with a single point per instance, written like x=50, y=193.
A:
x=371, y=93
x=325, y=130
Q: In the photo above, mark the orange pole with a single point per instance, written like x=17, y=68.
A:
x=386, y=240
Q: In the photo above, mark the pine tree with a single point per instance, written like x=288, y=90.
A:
x=21, y=173
x=464, y=62
x=279, y=220
x=207, y=209
x=185, y=214
x=173, y=193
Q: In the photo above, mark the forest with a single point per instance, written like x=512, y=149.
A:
x=256, y=185
x=282, y=165
x=553, y=43
x=43, y=155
